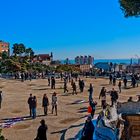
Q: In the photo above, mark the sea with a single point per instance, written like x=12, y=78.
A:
x=114, y=61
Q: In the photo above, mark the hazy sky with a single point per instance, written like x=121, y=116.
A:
x=70, y=27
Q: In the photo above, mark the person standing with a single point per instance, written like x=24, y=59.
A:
x=119, y=85
x=74, y=88
x=90, y=90
x=49, y=81
x=83, y=85
x=45, y=104
x=103, y=97
x=114, y=96
x=30, y=104
x=88, y=130
x=42, y=130
x=110, y=79
x=54, y=103
x=114, y=81
x=65, y=86
x=33, y=106
x=52, y=83
x=0, y=98
x=125, y=82
x=93, y=106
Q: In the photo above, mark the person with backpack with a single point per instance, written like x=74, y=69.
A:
x=45, y=104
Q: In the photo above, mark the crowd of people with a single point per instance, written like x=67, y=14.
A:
x=76, y=85
x=32, y=102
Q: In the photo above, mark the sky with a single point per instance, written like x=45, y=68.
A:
x=70, y=27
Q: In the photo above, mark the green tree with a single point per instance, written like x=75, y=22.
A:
x=4, y=55
x=22, y=48
x=18, y=49
x=15, y=49
x=130, y=7
x=29, y=52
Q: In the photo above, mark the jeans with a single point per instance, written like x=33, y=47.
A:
x=33, y=113
x=45, y=110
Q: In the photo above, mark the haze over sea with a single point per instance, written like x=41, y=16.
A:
x=117, y=61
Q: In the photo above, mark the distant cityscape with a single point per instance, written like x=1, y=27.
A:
x=85, y=63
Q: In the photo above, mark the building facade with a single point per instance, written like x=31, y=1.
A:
x=5, y=47
x=84, y=60
x=43, y=58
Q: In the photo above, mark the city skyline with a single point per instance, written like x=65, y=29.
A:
x=71, y=28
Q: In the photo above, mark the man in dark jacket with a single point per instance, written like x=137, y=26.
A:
x=103, y=97
x=88, y=130
x=45, y=104
x=52, y=83
x=41, y=134
x=90, y=90
x=114, y=96
x=30, y=104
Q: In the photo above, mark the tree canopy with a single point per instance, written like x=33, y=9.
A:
x=130, y=7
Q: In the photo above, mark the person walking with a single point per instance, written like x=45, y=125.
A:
x=114, y=97
x=49, y=81
x=45, y=104
x=119, y=85
x=52, y=83
x=90, y=90
x=110, y=79
x=125, y=82
x=0, y=98
x=93, y=106
x=33, y=106
x=114, y=81
x=103, y=97
x=74, y=88
x=30, y=104
x=81, y=85
x=88, y=130
x=42, y=130
x=65, y=86
x=54, y=103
